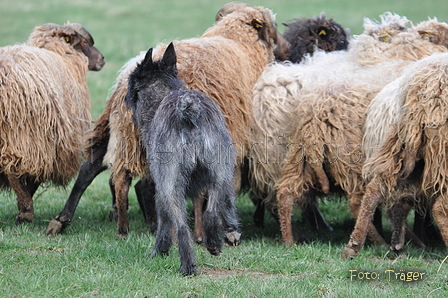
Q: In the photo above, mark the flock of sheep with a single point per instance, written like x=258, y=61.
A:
x=310, y=112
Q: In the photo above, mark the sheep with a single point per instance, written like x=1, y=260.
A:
x=383, y=112
x=331, y=96
x=44, y=109
x=308, y=34
x=248, y=35
x=411, y=162
x=192, y=127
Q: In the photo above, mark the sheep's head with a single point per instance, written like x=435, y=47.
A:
x=436, y=32
x=265, y=26
x=73, y=37
x=82, y=41
x=306, y=34
x=391, y=25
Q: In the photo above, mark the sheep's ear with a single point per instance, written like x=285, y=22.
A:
x=257, y=24
x=169, y=57
x=266, y=27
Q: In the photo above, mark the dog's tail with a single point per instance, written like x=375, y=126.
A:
x=189, y=107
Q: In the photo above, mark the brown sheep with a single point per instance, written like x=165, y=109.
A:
x=44, y=109
x=249, y=35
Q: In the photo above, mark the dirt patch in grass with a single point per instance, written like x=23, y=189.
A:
x=219, y=273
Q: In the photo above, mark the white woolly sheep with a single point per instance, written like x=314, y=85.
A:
x=44, y=109
x=248, y=35
x=410, y=167
x=331, y=96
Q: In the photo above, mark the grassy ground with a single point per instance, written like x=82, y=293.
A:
x=89, y=260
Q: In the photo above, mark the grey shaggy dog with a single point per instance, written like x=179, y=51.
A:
x=189, y=152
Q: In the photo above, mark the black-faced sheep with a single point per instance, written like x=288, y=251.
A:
x=308, y=34
x=190, y=125
x=410, y=166
x=305, y=36
x=324, y=146
x=248, y=36
x=44, y=109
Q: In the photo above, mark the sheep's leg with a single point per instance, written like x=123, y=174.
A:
x=398, y=214
x=424, y=228
x=89, y=170
x=24, y=200
x=439, y=212
x=312, y=213
x=364, y=220
x=372, y=232
x=113, y=213
x=285, y=205
x=378, y=221
x=198, y=204
x=259, y=211
x=122, y=184
x=145, y=191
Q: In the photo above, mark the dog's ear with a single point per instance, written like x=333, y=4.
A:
x=147, y=61
x=169, y=58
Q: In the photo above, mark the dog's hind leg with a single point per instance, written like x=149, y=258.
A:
x=230, y=222
x=211, y=223
x=164, y=230
x=171, y=211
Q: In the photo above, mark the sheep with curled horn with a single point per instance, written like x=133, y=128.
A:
x=44, y=109
x=224, y=63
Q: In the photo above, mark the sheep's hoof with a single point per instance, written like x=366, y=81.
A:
x=349, y=253
x=233, y=238
x=398, y=250
x=23, y=217
x=54, y=227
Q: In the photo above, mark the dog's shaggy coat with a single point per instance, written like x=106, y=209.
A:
x=189, y=149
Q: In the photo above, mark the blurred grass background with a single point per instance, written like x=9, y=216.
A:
x=89, y=260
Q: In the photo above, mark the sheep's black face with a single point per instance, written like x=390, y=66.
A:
x=342, y=38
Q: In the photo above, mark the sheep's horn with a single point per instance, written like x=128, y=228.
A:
x=83, y=32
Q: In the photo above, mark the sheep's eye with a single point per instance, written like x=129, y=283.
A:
x=67, y=38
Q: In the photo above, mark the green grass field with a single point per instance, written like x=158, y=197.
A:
x=90, y=260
